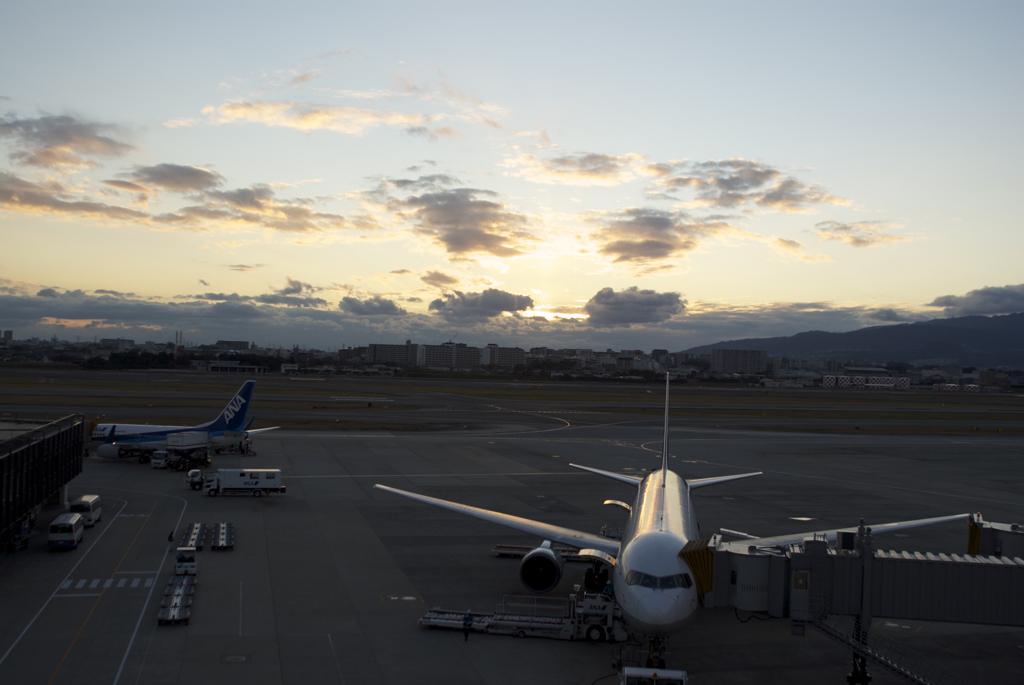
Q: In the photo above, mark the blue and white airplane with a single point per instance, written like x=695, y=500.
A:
x=227, y=430
x=652, y=584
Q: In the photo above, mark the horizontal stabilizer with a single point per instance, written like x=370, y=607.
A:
x=694, y=483
x=737, y=534
x=632, y=480
x=566, y=536
x=262, y=430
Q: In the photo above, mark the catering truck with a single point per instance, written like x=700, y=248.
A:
x=255, y=482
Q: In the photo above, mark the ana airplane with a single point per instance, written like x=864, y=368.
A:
x=228, y=429
x=652, y=584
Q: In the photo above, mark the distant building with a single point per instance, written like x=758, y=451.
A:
x=117, y=344
x=539, y=352
x=241, y=345
x=399, y=355
x=739, y=361
x=8, y=336
x=502, y=357
x=450, y=356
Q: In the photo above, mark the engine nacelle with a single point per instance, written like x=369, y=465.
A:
x=108, y=451
x=541, y=569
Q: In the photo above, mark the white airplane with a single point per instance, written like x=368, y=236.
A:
x=652, y=584
x=228, y=429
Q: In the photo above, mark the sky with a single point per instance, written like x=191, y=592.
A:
x=595, y=175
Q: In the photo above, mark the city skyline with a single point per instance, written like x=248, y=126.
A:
x=579, y=175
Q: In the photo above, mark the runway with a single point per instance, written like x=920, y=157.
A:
x=326, y=583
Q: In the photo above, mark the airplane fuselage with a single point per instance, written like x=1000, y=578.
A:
x=148, y=437
x=654, y=587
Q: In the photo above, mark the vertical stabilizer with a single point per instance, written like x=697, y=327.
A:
x=234, y=415
x=664, y=446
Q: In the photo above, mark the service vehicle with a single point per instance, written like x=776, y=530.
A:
x=194, y=479
x=66, y=531
x=255, y=482
x=159, y=459
x=90, y=507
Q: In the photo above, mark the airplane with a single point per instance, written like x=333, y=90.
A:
x=129, y=440
x=653, y=586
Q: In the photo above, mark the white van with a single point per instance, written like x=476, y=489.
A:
x=67, y=530
x=159, y=459
x=90, y=507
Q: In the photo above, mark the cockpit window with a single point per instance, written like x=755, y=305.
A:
x=678, y=580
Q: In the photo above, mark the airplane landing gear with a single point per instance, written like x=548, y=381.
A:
x=596, y=578
x=656, y=653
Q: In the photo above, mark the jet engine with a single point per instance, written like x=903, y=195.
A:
x=541, y=569
x=108, y=451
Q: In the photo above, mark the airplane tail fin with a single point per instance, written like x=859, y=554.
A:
x=234, y=415
x=664, y=446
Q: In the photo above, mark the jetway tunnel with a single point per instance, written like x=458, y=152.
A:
x=839, y=589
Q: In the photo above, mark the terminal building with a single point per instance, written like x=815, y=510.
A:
x=36, y=465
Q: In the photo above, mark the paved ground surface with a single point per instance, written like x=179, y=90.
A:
x=326, y=582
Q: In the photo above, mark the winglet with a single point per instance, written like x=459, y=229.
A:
x=664, y=446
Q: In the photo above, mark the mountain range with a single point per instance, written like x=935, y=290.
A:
x=982, y=341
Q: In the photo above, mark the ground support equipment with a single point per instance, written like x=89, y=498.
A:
x=194, y=536
x=223, y=537
x=584, y=616
x=175, y=607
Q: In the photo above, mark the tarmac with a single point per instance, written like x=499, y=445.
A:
x=326, y=582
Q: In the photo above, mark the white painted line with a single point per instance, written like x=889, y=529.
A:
x=145, y=606
x=81, y=584
x=66, y=585
x=135, y=582
x=94, y=584
x=121, y=582
x=239, y=608
x=149, y=582
x=135, y=573
x=107, y=583
x=80, y=594
x=335, y=655
x=47, y=602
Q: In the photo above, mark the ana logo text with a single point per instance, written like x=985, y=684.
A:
x=233, y=408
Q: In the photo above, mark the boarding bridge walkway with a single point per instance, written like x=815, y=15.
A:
x=838, y=590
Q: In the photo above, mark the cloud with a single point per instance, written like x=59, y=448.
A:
x=245, y=267
x=309, y=117
x=113, y=293
x=400, y=272
x=371, y=306
x=433, y=134
x=303, y=79
x=53, y=198
x=275, y=299
x=464, y=224
x=439, y=279
x=1007, y=299
x=860, y=234
x=60, y=141
x=640, y=237
x=457, y=305
x=632, y=306
x=582, y=169
x=735, y=182
x=48, y=292
x=258, y=206
x=295, y=287
x=203, y=282
x=890, y=315
x=794, y=248
x=176, y=177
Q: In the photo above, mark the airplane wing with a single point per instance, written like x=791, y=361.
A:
x=830, y=535
x=262, y=430
x=566, y=536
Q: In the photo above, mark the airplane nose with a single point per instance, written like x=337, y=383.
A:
x=658, y=609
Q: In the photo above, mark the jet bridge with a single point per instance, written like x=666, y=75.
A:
x=838, y=589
